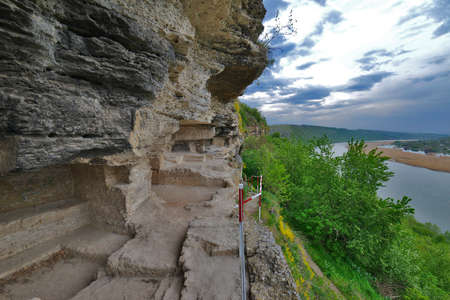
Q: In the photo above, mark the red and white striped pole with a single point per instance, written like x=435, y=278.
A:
x=241, y=202
x=260, y=195
x=241, y=240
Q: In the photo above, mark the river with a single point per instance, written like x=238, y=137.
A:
x=429, y=190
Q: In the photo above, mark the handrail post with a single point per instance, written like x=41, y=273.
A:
x=241, y=240
x=260, y=198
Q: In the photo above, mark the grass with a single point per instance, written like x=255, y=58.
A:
x=309, y=284
x=348, y=278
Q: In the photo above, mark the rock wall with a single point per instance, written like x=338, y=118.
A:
x=256, y=131
x=93, y=91
x=269, y=274
x=92, y=78
x=117, y=115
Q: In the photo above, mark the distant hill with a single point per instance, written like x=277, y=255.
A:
x=336, y=135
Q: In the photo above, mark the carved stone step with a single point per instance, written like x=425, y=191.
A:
x=93, y=243
x=210, y=260
x=88, y=242
x=55, y=280
x=155, y=256
x=29, y=257
x=25, y=228
x=181, y=195
x=119, y=288
x=186, y=176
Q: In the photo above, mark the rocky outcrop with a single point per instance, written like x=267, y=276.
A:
x=84, y=79
x=98, y=90
x=256, y=131
x=117, y=131
x=269, y=274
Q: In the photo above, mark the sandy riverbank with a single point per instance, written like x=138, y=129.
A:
x=429, y=161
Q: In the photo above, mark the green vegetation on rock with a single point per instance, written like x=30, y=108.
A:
x=250, y=119
x=336, y=135
x=309, y=283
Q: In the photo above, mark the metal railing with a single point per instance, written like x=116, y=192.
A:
x=242, y=202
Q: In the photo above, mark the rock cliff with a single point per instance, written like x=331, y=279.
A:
x=84, y=79
x=117, y=132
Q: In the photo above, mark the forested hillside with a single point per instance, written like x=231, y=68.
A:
x=308, y=132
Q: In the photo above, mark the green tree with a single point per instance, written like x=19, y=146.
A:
x=333, y=201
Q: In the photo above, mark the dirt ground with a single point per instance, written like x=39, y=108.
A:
x=429, y=161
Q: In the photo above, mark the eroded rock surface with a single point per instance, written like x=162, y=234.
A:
x=269, y=274
x=210, y=259
x=91, y=78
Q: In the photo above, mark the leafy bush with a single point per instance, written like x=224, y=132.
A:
x=333, y=201
x=309, y=286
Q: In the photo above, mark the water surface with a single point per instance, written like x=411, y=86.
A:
x=429, y=190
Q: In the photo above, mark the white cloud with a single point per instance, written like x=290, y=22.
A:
x=337, y=52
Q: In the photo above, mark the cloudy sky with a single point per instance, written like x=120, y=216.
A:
x=372, y=64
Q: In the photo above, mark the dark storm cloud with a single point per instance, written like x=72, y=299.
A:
x=365, y=82
x=321, y=2
x=318, y=30
x=272, y=7
x=437, y=60
x=441, y=13
x=281, y=50
x=375, y=58
x=334, y=17
x=379, y=52
x=401, y=52
x=443, y=29
x=432, y=77
x=303, y=52
x=309, y=93
x=308, y=43
x=438, y=11
x=367, y=63
x=412, y=14
x=425, y=106
x=267, y=83
x=427, y=102
x=306, y=65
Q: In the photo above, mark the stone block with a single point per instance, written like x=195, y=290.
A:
x=34, y=188
x=195, y=133
x=27, y=228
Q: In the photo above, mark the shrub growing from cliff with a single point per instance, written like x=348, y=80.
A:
x=250, y=118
